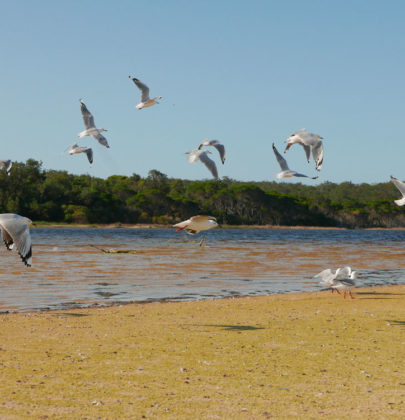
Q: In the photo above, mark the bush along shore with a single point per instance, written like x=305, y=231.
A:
x=61, y=197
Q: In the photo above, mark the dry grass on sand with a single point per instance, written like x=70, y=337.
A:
x=310, y=355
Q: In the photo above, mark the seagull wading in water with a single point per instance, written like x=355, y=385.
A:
x=401, y=187
x=75, y=148
x=308, y=141
x=91, y=129
x=286, y=172
x=14, y=230
x=202, y=155
x=197, y=224
x=6, y=164
x=146, y=101
x=215, y=143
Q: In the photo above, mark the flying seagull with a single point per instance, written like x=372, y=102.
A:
x=75, y=148
x=286, y=172
x=215, y=143
x=197, y=224
x=146, y=101
x=401, y=186
x=91, y=129
x=6, y=164
x=202, y=155
x=308, y=141
x=14, y=230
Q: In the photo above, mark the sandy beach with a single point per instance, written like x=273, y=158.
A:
x=309, y=355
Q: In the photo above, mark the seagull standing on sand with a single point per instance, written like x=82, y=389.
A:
x=202, y=155
x=75, y=148
x=14, y=230
x=91, y=129
x=197, y=224
x=347, y=282
x=401, y=186
x=286, y=172
x=146, y=101
x=6, y=164
x=308, y=141
x=215, y=143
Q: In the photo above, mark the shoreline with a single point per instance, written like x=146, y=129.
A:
x=306, y=355
x=160, y=226
x=179, y=300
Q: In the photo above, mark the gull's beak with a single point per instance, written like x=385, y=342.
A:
x=287, y=147
x=33, y=224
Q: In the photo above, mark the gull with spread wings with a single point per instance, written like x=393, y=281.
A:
x=91, y=129
x=215, y=143
x=146, y=101
x=286, y=172
x=310, y=142
x=202, y=155
x=15, y=231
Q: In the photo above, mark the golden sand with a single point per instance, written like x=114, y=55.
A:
x=311, y=355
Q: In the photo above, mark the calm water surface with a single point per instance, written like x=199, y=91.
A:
x=69, y=271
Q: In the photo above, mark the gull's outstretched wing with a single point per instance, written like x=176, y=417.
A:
x=215, y=143
x=87, y=117
x=401, y=187
x=281, y=161
x=7, y=164
x=304, y=176
x=307, y=150
x=15, y=230
x=317, y=154
x=101, y=139
x=210, y=164
x=143, y=88
x=89, y=153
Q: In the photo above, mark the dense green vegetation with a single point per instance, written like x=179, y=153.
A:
x=57, y=196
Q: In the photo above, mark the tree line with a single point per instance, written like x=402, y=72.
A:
x=58, y=196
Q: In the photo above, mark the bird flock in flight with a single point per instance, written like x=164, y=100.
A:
x=15, y=231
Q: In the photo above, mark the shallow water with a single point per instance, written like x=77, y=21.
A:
x=70, y=272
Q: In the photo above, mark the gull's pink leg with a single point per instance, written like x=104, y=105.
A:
x=351, y=294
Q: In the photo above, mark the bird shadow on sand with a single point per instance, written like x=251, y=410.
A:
x=396, y=322
x=377, y=295
x=72, y=314
x=233, y=327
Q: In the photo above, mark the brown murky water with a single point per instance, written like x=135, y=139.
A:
x=69, y=271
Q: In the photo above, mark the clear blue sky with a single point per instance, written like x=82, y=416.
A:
x=248, y=73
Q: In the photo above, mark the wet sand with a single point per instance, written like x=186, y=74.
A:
x=309, y=355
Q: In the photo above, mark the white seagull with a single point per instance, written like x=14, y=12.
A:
x=308, y=141
x=197, y=224
x=91, y=129
x=14, y=230
x=286, y=172
x=328, y=278
x=75, y=148
x=146, y=101
x=6, y=164
x=215, y=143
x=346, y=281
x=401, y=186
x=202, y=155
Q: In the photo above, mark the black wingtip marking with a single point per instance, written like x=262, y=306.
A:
x=26, y=257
